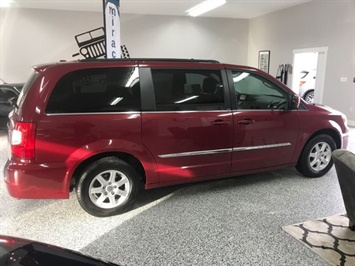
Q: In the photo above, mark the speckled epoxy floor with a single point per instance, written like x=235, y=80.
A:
x=236, y=221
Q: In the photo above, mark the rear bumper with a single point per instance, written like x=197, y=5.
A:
x=36, y=181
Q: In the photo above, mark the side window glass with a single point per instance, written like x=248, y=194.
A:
x=181, y=89
x=255, y=92
x=96, y=90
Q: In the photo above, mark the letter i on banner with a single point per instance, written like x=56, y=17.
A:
x=112, y=28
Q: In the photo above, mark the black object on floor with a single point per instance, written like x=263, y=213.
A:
x=345, y=167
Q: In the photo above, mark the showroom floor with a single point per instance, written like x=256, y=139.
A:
x=235, y=221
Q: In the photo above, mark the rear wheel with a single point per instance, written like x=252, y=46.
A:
x=316, y=157
x=309, y=97
x=107, y=187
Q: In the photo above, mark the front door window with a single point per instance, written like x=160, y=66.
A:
x=257, y=93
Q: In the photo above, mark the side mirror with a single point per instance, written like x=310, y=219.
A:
x=295, y=102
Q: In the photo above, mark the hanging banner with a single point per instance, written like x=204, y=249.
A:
x=112, y=28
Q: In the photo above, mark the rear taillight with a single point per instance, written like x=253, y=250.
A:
x=22, y=140
x=302, y=82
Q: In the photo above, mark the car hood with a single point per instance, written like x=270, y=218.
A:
x=324, y=108
x=17, y=251
x=18, y=86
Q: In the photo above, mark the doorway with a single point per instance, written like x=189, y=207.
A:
x=309, y=73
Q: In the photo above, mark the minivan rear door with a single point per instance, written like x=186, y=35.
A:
x=187, y=123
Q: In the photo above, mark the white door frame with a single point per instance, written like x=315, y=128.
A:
x=321, y=68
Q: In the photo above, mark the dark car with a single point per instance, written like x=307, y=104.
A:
x=108, y=127
x=23, y=252
x=8, y=96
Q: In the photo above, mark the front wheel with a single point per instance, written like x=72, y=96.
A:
x=316, y=157
x=107, y=187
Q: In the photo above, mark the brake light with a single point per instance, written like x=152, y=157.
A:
x=23, y=140
x=302, y=82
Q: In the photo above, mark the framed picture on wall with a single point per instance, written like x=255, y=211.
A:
x=264, y=60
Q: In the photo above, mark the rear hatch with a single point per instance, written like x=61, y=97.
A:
x=20, y=133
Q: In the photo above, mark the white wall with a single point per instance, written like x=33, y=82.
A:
x=314, y=24
x=184, y=37
x=30, y=36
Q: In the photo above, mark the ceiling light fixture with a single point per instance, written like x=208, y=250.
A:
x=205, y=7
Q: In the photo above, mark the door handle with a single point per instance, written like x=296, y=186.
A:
x=220, y=122
x=246, y=121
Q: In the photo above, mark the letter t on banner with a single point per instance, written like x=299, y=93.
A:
x=112, y=28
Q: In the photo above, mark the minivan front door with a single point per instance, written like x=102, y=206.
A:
x=265, y=130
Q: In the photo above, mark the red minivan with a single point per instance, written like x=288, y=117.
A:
x=105, y=127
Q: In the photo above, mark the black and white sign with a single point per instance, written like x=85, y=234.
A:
x=112, y=28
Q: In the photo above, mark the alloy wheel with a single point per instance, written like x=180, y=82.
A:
x=320, y=156
x=109, y=189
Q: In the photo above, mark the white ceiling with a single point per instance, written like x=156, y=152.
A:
x=232, y=9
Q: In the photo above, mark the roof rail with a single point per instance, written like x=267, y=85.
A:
x=150, y=59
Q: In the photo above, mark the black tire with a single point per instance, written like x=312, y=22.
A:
x=316, y=157
x=107, y=187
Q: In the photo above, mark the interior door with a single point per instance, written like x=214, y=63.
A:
x=190, y=131
x=265, y=130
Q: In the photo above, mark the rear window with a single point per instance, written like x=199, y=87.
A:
x=25, y=88
x=96, y=90
x=188, y=89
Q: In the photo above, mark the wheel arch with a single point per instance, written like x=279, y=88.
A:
x=327, y=131
x=126, y=157
x=333, y=133
x=306, y=92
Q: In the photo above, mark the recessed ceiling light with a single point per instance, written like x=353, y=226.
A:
x=5, y=3
x=205, y=7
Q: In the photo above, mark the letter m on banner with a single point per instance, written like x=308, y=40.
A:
x=112, y=28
